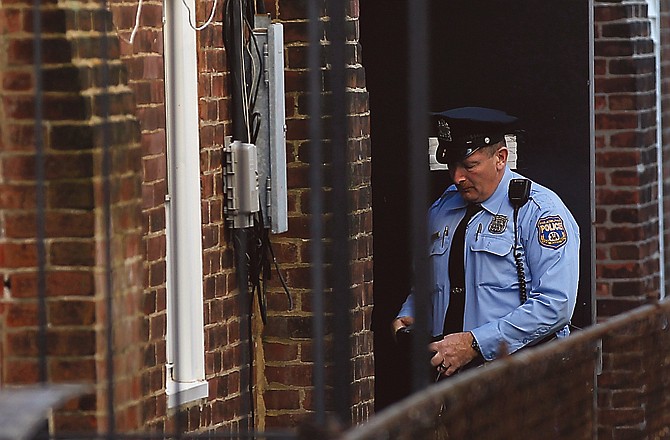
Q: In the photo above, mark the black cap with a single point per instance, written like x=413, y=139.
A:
x=462, y=131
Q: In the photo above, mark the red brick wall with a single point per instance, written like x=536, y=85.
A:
x=223, y=351
x=627, y=222
x=627, y=245
x=550, y=391
x=288, y=333
x=284, y=364
x=76, y=248
x=80, y=136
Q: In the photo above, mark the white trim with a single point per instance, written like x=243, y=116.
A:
x=185, y=324
x=654, y=9
x=183, y=392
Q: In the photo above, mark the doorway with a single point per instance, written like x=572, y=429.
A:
x=530, y=58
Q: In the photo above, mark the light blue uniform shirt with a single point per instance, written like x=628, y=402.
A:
x=549, y=238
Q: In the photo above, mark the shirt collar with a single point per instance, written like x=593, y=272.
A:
x=499, y=196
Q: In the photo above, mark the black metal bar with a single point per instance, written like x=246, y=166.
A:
x=276, y=434
x=340, y=221
x=418, y=138
x=39, y=192
x=316, y=204
x=107, y=222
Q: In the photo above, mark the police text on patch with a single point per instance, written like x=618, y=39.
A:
x=551, y=232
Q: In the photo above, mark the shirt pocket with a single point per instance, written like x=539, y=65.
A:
x=439, y=258
x=492, y=260
x=439, y=244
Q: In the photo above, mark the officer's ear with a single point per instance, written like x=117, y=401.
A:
x=501, y=157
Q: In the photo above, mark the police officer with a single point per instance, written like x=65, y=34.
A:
x=507, y=277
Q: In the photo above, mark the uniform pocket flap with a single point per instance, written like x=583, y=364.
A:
x=494, y=244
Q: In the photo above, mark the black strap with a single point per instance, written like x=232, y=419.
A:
x=453, y=321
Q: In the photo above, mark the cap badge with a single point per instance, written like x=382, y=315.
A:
x=487, y=140
x=443, y=130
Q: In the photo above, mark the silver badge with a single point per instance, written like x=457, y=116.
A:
x=498, y=224
x=443, y=130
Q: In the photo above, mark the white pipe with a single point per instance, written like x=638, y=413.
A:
x=654, y=9
x=185, y=292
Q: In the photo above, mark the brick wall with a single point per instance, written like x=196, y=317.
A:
x=143, y=62
x=287, y=335
x=283, y=392
x=627, y=245
x=549, y=391
x=89, y=133
x=75, y=141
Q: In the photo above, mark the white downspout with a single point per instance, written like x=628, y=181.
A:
x=185, y=338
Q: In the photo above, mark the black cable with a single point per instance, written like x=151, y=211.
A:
x=252, y=245
x=260, y=6
x=255, y=88
x=233, y=29
x=249, y=8
x=255, y=126
x=518, y=260
x=281, y=277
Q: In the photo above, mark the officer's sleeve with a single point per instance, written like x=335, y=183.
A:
x=551, y=245
x=407, y=308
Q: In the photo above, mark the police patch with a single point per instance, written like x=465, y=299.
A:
x=498, y=224
x=551, y=232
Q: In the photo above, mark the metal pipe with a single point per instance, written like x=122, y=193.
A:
x=316, y=205
x=39, y=191
x=418, y=159
x=340, y=222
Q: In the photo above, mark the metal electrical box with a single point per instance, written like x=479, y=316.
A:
x=271, y=139
x=241, y=182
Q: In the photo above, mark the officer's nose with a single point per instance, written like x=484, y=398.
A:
x=457, y=174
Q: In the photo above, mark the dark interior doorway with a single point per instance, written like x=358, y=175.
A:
x=530, y=58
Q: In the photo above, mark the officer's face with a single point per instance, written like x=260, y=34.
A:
x=479, y=174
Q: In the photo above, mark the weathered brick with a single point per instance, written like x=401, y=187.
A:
x=57, y=224
x=17, y=196
x=22, y=314
x=72, y=370
x=18, y=255
x=72, y=253
x=21, y=372
x=71, y=312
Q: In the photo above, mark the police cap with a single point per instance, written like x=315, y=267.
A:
x=462, y=131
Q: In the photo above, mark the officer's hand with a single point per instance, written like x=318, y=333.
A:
x=452, y=352
x=403, y=321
